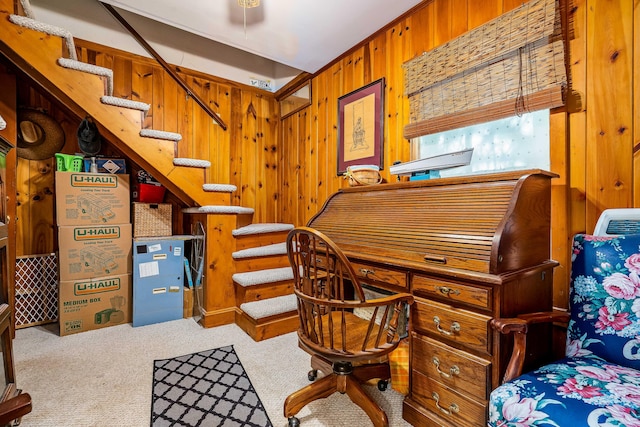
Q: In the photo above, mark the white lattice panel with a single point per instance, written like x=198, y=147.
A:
x=36, y=290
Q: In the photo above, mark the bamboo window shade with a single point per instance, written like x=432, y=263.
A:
x=511, y=65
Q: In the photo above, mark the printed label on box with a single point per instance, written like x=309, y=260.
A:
x=92, y=304
x=86, y=199
x=87, y=252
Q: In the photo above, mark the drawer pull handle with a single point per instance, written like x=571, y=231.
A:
x=453, y=408
x=366, y=271
x=445, y=290
x=455, y=327
x=453, y=371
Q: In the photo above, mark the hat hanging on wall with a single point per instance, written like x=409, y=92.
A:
x=88, y=137
x=39, y=135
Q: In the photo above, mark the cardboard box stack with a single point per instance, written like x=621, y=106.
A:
x=95, y=250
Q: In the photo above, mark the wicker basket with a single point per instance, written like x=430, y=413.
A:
x=363, y=175
x=151, y=219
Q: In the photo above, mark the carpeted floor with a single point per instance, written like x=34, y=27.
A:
x=104, y=378
x=208, y=388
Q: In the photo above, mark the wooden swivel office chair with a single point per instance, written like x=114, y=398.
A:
x=347, y=335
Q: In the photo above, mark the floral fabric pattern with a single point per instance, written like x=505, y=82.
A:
x=598, y=382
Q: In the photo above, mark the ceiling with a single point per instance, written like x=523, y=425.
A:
x=302, y=34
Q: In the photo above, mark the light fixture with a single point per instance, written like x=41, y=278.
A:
x=247, y=4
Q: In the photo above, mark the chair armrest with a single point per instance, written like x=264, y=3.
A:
x=14, y=408
x=519, y=326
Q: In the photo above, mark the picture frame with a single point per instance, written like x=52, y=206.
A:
x=361, y=127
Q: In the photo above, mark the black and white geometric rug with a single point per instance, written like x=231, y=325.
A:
x=209, y=388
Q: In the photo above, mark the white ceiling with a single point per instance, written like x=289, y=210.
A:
x=303, y=34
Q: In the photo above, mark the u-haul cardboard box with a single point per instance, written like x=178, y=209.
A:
x=88, y=304
x=88, y=251
x=86, y=198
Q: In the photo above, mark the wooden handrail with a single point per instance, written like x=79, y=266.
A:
x=164, y=64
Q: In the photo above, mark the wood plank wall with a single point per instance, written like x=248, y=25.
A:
x=596, y=151
x=286, y=170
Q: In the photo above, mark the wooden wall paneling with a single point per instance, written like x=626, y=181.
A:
x=335, y=89
x=577, y=74
x=23, y=227
x=169, y=102
x=508, y=5
x=459, y=18
x=319, y=122
x=300, y=151
x=40, y=208
x=186, y=109
x=260, y=160
x=289, y=170
x=609, y=116
x=200, y=140
x=157, y=105
x=235, y=135
x=142, y=87
x=479, y=12
x=248, y=150
x=271, y=142
x=221, y=151
x=560, y=189
x=395, y=146
x=442, y=31
x=122, y=74
x=421, y=29
x=311, y=172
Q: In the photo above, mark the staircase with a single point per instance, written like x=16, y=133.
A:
x=250, y=281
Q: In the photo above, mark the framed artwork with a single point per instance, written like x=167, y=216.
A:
x=361, y=126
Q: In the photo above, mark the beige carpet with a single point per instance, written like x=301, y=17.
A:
x=103, y=378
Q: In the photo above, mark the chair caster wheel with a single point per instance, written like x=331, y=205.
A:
x=312, y=375
x=382, y=385
x=294, y=422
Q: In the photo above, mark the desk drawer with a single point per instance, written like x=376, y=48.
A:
x=449, y=405
x=454, y=368
x=475, y=296
x=380, y=274
x=453, y=324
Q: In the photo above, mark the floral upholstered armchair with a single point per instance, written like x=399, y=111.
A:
x=597, y=383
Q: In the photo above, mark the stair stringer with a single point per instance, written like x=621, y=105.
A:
x=36, y=54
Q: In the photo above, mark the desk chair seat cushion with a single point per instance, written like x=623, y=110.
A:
x=598, y=382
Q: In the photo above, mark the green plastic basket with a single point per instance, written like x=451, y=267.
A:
x=68, y=162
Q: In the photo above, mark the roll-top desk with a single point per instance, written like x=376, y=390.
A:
x=469, y=249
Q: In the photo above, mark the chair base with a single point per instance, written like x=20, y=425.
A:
x=342, y=378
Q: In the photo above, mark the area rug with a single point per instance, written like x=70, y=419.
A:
x=209, y=388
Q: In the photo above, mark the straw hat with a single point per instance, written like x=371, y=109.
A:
x=39, y=136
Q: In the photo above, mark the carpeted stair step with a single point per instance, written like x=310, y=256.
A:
x=191, y=163
x=261, y=234
x=269, y=318
x=254, y=278
x=261, y=251
x=160, y=134
x=52, y=30
x=219, y=188
x=107, y=73
x=237, y=210
x=270, y=307
x=263, y=284
x=125, y=103
x=261, y=257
